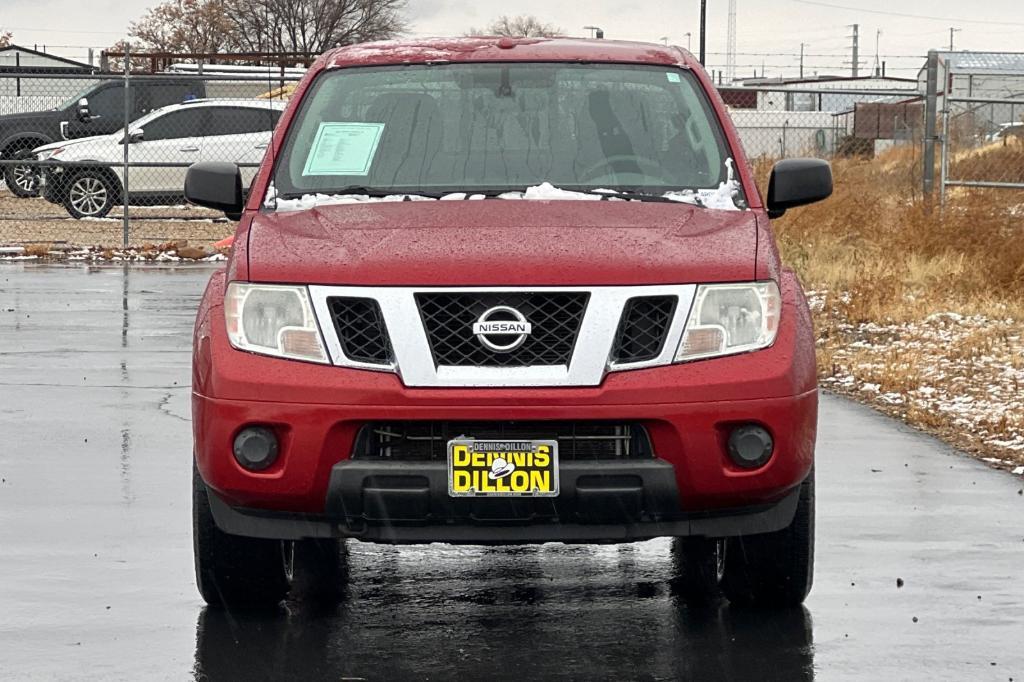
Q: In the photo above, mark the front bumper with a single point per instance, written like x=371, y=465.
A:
x=688, y=411
x=53, y=184
x=407, y=504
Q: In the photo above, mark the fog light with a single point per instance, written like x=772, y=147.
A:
x=750, y=446
x=256, y=448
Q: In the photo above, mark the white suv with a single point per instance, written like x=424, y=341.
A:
x=89, y=179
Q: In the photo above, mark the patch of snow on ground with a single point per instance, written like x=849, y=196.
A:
x=960, y=374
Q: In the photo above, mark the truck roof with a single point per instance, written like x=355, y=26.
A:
x=502, y=49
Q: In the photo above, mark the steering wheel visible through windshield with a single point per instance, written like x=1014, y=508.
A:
x=493, y=127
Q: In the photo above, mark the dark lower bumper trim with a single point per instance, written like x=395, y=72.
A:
x=721, y=523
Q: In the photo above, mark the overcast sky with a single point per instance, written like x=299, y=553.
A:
x=775, y=27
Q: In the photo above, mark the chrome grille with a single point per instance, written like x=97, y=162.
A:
x=555, y=317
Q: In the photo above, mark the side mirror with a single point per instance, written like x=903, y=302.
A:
x=797, y=182
x=216, y=185
x=83, y=111
x=136, y=135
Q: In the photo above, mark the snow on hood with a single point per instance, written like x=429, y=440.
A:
x=723, y=198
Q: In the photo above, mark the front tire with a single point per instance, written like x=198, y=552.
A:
x=23, y=181
x=699, y=564
x=774, y=569
x=321, y=571
x=234, y=571
x=90, y=194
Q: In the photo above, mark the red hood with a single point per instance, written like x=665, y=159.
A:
x=503, y=243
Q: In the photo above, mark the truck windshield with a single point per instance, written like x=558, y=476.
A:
x=493, y=127
x=73, y=101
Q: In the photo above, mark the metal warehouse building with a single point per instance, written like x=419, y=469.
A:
x=29, y=79
x=985, y=76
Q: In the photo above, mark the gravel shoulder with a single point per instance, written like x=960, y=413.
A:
x=36, y=221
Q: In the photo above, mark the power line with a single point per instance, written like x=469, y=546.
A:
x=844, y=54
x=908, y=15
x=842, y=67
x=50, y=29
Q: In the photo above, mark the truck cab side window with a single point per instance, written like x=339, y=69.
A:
x=108, y=103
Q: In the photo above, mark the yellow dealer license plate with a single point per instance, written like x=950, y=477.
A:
x=484, y=468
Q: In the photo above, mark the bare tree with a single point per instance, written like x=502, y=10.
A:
x=312, y=25
x=5, y=38
x=522, y=26
x=116, y=64
x=186, y=26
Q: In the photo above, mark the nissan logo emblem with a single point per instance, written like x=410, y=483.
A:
x=502, y=329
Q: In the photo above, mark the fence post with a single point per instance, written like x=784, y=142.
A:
x=944, y=158
x=930, y=114
x=127, y=123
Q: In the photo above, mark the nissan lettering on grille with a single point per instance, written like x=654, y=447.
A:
x=502, y=329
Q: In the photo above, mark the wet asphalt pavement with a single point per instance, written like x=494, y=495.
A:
x=96, y=566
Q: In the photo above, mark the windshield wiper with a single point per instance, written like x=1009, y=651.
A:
x=491, y=193
x=635, y=195
x=375, y=192
x=627, y=194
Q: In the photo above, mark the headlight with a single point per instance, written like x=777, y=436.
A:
x=731, y=318
x=49, y=153
x=273, y=320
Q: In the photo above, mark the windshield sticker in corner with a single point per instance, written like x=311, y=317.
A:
x=343, y=149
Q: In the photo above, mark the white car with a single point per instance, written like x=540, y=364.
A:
x=89, y=179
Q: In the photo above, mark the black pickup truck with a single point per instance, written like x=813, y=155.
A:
x=97, y=110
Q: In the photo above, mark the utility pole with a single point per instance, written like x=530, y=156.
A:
x=730, y=44
x=856, y=49
x=802, y=60
x=688, y=35
x=952, y=30
x=703, y=29
x=878, y=60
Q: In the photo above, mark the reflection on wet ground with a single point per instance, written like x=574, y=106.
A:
x=96, y=579
x=538, y=613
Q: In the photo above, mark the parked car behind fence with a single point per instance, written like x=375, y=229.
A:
x=89, y=178
x=97, y=109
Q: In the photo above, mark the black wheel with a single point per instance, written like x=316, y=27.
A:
x=774, y=569
x=699, y=565
x=233, y=571
x=23, y=181
x=321, y=571
x=90, y=194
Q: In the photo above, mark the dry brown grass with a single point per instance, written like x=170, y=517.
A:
x=887, y=268
x=877, y=239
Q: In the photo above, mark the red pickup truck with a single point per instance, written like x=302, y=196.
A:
x=503, y=291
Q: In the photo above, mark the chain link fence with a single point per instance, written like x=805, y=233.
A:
x=828, y=122
x=106, y=147
x=88, y=147
x=980, y=120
